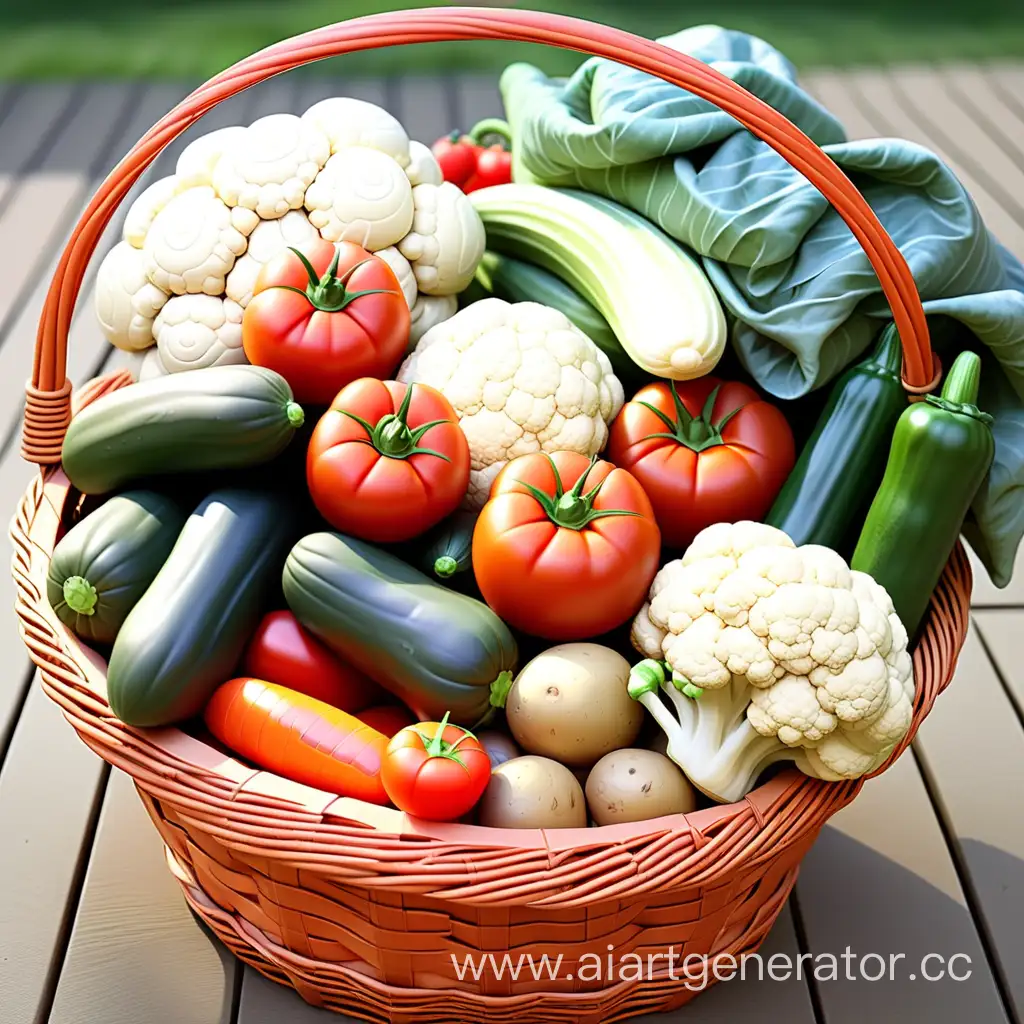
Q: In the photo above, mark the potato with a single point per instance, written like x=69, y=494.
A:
x=500, y=748
x=533, y=792
x=571, y=703
x=634, y=785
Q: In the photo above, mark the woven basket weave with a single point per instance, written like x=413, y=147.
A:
x=360, y=908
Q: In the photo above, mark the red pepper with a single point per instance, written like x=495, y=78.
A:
x=467, y=162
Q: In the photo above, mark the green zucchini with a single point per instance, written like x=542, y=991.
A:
x=220, y=417
x=106, y=561
x=437, y=650
x=186, y=634
x=828, y=491
x=447, y=550
x=942, y=450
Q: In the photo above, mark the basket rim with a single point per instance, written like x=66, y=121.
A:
x=262, y=814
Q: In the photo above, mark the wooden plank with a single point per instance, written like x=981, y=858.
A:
x=314, y=88
x=278, y=96
x=832, y=90
x=1009, y=79
x=960, y=132
x=753, y=999
x=25, y=132
x=971, y=750
x=987, y=595
x=1003, y=634
x=476, y=97
x=136, y=953
x=976, y=92
x=880, y=881
x=425, y=105
x=50, y=786
x=883, y=106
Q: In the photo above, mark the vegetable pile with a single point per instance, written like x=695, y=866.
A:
x=443, y=491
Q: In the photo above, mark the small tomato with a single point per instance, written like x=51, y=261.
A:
x=387, y=461
x=324, y=317
x=704, y=451
x=435, y=771
x=456, y=156
x=566, y=547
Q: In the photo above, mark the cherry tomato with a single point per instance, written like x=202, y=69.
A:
x=493, y=167
x=386, y=462
x=435, y=771
x=324, y=317
x=282, y=652
x=386, y=718
x=704, y=451
x=456, y=156
x=566, y=547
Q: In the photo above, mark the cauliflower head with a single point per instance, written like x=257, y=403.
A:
x=427, y=312
x=350, y=122
x=143, y=211
x=268, y=239
x=522, y=378
x=771, y=652
x=196, y=331
x=127, y=302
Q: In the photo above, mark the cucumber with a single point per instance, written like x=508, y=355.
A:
x=105, y=562
x=447, y=550
x=435, y=649
x=186, y=634
x=221, y=417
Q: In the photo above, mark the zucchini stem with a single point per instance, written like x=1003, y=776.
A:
x=80, y=595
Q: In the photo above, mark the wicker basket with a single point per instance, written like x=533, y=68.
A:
x=360, y=908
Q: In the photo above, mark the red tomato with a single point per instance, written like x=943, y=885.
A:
x=456, y=156
x=282, y=652
x=386, y=461
x=386, y=718
x=493, y=167
x=320, y=330
x=566, y=547
x=435, y=771
x=705, y=452
x=299, y=738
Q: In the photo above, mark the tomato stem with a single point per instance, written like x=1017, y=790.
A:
x=330, y=294
x=573, y=509
x=438, y=746
x=695, y=432
x=393, y=437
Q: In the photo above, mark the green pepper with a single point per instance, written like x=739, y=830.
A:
x=942, y=449
x=829, y=489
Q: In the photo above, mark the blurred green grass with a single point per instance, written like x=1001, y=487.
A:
x=197, y=38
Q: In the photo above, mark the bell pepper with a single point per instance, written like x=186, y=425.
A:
x=942, y=449
x=466, y=162
x=827, y=494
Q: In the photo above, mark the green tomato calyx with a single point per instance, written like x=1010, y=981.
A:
x=438, y=746
x=330, y=293
x=393, y=437
x=695, y=432
x=80, y=595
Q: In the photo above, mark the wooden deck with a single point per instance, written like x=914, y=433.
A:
x=929, y=860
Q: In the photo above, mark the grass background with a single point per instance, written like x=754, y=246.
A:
x=197, y=38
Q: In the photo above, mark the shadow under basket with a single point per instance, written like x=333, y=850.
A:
x=359, y=908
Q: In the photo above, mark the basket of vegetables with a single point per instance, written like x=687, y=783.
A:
x=440, y=591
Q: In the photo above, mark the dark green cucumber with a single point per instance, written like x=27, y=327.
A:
x=447, y=550
x=105, y=562
x=435, y=649
x=828, y=492
x=941, y=452
x=221, y=417
x=518, y=281
x=186, y=634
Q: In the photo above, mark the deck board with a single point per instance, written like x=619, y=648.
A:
x=25, y=130
x=476, y=98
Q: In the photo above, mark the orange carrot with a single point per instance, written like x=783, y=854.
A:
x=299, y=738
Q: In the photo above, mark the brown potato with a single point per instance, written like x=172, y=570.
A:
x=533, y=792
x=635, y=785
x=571, y=703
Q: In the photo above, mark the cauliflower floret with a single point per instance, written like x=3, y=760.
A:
x=428, y=311
x=269, y=238
x=268, y=168
x=350, y=122
x=151, y=366
x=447, y=239
x=195, y=331
x=402, y=270
x=423, y=167
x=194, y=241
x=522, y=378
x=126, y=301
x=143, y=211
x=755, y=640
x=199, y=158
x=361, y=196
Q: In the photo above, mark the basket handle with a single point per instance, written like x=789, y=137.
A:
x=48, y=394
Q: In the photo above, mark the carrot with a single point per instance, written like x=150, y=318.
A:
x=299, y=738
